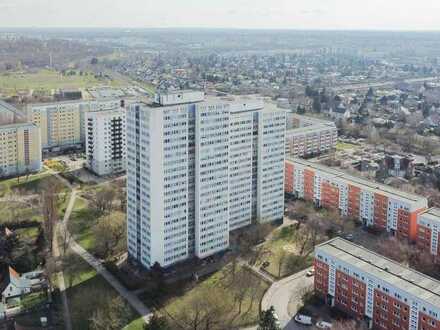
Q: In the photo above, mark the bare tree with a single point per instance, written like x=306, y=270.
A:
x=395, y=249
x=102, y=200
x=49, y=204
x=50, y=269
x=114, y=314
x=64, y=239
x=280, y=260
x=109, y=233
x=73, y=266
x=204, y=311
x=349, y=325
x=243, y=287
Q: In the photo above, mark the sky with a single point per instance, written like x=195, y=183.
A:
x=248, y=14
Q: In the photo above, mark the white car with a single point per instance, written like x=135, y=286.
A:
x=323, y=325
x=303, y=319
x=277, y=319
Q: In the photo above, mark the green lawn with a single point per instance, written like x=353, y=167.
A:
x=281, y=244
x=34, y=299
x=47, y=80
x=28, y=234
x=81, y=224
x=345, y=146
x=19, y=211
x=25, y=184
x=88, y=293
x=137, y=324
x=149, y=88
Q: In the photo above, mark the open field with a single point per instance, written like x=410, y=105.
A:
x=28, y=183
x=48, y=80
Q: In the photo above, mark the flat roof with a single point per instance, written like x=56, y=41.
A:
x=406, y=279
x=432, y=214
x=311, y=120
x=379, y=187
x=309, y=129
x=241, y=103
x=104, y=113
x=16, y=125
x=11, y=108
x=43, y=104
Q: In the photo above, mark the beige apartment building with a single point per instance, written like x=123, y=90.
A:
x=20, y=149
x=307, y=136
x=62, y=123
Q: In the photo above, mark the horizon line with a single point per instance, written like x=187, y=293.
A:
x=217, y=28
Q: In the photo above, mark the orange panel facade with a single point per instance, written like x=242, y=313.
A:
x=412, y=223
x=309, y=182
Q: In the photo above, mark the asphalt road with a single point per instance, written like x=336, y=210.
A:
x=285, y=297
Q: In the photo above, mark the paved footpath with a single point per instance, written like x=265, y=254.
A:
x=132, y=299
x=56, y=253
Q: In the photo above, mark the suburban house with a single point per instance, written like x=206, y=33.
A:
x=13, y=286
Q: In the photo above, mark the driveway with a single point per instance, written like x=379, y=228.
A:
x=285, y=297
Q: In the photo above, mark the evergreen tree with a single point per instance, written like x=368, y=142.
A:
x=316, y=104
x=268, y=320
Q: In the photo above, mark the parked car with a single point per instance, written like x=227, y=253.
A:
x=349, y=237
x=310, y=272
x=277, y=320
x=303, y=319
x=323, y=325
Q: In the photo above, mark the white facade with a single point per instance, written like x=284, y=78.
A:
x=271, y=133
x=106, y=148
x=212, y=179
x=194, y=174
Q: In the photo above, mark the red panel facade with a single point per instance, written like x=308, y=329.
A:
x=389, y=313
x=353, y=201
x=321, y=278
x=403, y=224
x=289, y=177
x=329, y=196
x=428, y=323
x=309, y=182
x=380, y=211
x=350, y=295
x=424, y=238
